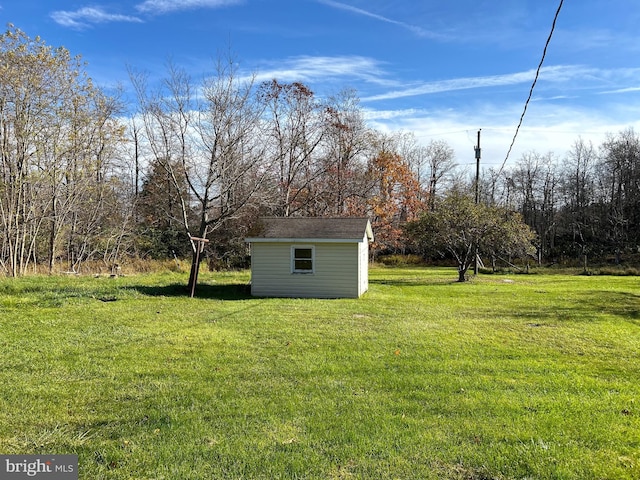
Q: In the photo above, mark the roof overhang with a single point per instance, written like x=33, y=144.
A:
x=367, y=236
x=304, y=240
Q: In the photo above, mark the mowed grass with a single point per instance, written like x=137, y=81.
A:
x=504, y=377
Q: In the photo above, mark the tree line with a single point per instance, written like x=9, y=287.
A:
x=87, y=176
x=586, y=203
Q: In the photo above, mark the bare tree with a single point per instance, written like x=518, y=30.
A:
x=578, y=191
x=619, y=185
x=440, y=159
x=57, y=132
x=295, y=128
x=535, y=191
x=347, y=143
x=214, y=140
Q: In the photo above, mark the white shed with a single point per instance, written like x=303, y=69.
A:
x=310, y=257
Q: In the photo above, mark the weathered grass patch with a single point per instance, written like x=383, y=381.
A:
x=503, y=377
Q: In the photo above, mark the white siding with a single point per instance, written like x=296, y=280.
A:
x=363, y=270
x=336, y=271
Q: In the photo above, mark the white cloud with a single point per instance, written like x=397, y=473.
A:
x=560, y=73
x=86, y=16
x=167, y=6
x=308, y=68
x=421, y=32
x=549, y=127
x=623, y=90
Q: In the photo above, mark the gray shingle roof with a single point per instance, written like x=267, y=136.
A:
x=312, y=228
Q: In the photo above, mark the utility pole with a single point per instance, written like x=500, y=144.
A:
x=478, y=154
x=477, y=149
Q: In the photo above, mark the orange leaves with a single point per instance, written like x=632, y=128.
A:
x=395, y=199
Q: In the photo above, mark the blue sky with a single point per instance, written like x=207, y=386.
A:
x=440, y=69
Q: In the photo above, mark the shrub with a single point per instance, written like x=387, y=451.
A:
x=397, y=260
x=620, y=271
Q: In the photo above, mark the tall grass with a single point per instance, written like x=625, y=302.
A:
x=504, y=377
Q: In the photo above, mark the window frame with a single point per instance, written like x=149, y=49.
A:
x=302, y=271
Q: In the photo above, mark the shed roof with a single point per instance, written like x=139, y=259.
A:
x=311, y=228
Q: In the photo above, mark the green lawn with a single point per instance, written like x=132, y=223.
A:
x=505, y=377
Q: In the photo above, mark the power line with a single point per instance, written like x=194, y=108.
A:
x=535, y=80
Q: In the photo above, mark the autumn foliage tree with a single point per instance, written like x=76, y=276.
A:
x=394, y=199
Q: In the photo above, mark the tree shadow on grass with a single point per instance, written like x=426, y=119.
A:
x=236, y=291
x=625, y=305
x=414, y=282
x=586, y=306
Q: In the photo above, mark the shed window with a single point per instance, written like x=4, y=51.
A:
x=302, y=259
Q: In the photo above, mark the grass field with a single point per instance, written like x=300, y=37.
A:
x=504, y=377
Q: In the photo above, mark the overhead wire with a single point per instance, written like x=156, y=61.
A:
x=533, y=85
